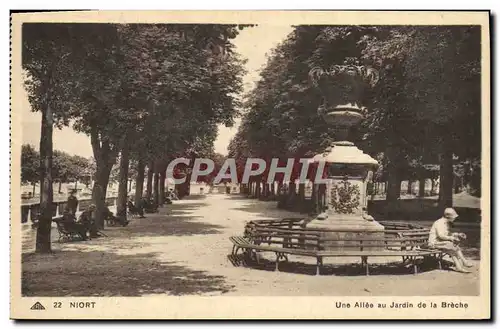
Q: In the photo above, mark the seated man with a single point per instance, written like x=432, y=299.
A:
x=87, y=218
x=67, y=216
x=135, y=210
x=69, y=220
x=131, y=207
x=440, y=238
x=119, y=218
x=149, y=206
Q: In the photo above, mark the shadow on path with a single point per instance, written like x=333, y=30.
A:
x=194, y=197
x=172, y=220
x=268, y=210
x=165, y=225
x=96, y=273
x=183, y=206
x=349, y=269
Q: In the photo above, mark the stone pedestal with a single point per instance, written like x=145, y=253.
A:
x=349, y=170
x=347, y=228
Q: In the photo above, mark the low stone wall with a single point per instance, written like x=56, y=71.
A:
x=30, y=210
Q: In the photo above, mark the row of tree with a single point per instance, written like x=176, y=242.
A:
x=66, y=168
x=425, y=108
x=145, y=94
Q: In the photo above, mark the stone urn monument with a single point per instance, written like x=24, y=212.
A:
x=348, y=168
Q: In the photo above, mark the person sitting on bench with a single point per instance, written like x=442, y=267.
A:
x=69, y=220
x=67, y=216
x=87, y=217
x=149, y=206
x=135, y=210
x=440, y=238
x=119, y=218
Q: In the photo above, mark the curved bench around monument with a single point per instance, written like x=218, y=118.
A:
x=290, y=237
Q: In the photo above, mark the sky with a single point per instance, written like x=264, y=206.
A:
x=252, y=43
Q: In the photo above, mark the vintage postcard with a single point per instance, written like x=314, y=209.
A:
x=250, y=165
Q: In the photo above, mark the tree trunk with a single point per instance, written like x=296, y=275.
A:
x=250, y=188
x=467, y=175
x=76, y=185
x=302, y=197
x=99, y=194
x=34, y=189
x=457, y=184
x=185, y=188
x=104, y=157
x=121, y=206
x=156, y=188
x=163, y=178
x=394, y=180
x=314, y=199
x=139, y=182
x=421, y=188
x=129, y=185
x=265, y=188
x=149, y=183
x=322, y=206
x=279, y=188
x=433, y=186
x=292, y=189
x=393, y=188
x=408, y=188
x=291, y=195
x=46, y=192
x=446, y=173
x=59, y=188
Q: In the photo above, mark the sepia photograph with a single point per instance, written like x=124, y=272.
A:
x=191, y=156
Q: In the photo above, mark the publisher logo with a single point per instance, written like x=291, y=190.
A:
x=37, y=306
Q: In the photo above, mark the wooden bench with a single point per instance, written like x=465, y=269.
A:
x=132, y=210
x=67, y=231
x=410, y=244
x=114, y=221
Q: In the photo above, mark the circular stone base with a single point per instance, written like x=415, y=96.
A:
x=345, y=233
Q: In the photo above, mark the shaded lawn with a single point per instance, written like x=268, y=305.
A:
x=97, y=273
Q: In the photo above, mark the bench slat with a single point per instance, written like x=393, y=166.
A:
x=332, y=253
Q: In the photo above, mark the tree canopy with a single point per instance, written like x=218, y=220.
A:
x=424, y=109
x=146, y=92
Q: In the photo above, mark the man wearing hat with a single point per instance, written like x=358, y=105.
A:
x=440, y=238
x=72, y=202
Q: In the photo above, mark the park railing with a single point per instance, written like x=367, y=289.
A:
x=29, y=211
